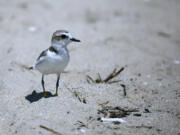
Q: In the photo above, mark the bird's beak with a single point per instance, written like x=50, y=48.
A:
x=75, y=40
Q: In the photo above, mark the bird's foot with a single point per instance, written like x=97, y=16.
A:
x=56, y=94
x=44, y=94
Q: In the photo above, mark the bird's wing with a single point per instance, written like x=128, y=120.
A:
x=43, y=53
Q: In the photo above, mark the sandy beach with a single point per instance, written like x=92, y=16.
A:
x=143, y=36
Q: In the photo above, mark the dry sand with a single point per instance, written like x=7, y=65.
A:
x=142, y=35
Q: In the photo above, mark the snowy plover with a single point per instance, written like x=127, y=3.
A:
x=54, y=59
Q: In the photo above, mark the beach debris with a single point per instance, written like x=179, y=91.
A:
x=84, y=125
x=83, y=130
x=141, y=126
x=137, y=114
x=81, y=125
x=103, y=104
x=115, y=120
x=90, y=119
x=50, y=130
x=107, y=79
x=116, y=112
x=77, y=95
x=146, y=110
x=124, y=89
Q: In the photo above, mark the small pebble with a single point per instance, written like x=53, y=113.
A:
x=82, y=130
x=146, y=110
x=32, y=29
x=145, y=83
x=177, y=62
x=137, y=114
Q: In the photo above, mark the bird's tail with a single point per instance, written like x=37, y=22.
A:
x=27, y=67
x=30, y=68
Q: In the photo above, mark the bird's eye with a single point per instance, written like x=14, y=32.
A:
x=63, y=36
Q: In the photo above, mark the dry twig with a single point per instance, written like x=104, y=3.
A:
x=77, y=95
x=80, y=98
x=81, y=124
x=103, y=104
x=141, y=126
x=50, y=130
x=107, y=79
x=124, y=89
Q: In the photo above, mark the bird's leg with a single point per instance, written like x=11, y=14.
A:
x=57, y=84
x=42, y=82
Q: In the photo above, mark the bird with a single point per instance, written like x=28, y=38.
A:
x=56, y=58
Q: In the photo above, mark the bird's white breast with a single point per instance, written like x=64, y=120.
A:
x=53, y=62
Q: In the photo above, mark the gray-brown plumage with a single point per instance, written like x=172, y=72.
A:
x=51, y=49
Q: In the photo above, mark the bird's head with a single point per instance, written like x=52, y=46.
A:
x=63, y=37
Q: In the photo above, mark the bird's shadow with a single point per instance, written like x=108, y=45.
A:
x=34, y=96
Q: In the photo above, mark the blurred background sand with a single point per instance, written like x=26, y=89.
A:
x=142, y=35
